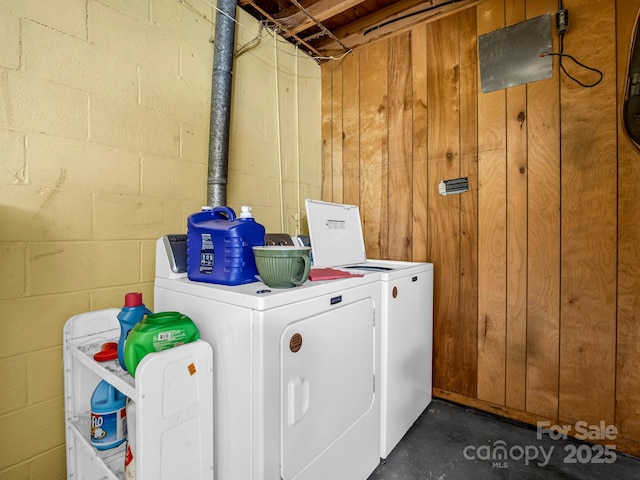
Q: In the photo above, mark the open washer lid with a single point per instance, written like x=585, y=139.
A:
x=336, y=233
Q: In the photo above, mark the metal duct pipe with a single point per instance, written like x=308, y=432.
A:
x=221, y=103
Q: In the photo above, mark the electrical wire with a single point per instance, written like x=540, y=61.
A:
x=195, y=10
x=278, y=130
x=331, y=57
x=320, y=24
x=223, y=13
x=251, y=43
x=297, y=123
x=272, y=31
x=263, y=26
x=562, y=55
x=247, y=46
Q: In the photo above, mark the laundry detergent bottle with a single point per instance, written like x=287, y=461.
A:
x=157, y=332
x=132, y=312
x=108, y=417
x=219, y=246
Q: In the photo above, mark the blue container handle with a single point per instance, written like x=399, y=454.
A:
x=219, y=211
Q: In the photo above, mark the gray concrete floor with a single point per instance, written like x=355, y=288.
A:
x=452, y=442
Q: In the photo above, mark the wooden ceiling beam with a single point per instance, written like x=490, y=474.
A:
x=321, y=10
x=376, y=26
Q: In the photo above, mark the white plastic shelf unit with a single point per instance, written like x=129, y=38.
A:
x=173, y=391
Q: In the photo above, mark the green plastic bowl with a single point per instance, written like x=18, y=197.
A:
x=282, y=266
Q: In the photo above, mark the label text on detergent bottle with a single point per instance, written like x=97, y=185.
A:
x=169, y=339
x=108, y=429
x=206, y=254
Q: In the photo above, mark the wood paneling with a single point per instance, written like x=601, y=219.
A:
x=492, y=228
x=443, y=162
x=374, y=151
x=336, y=134
x=588, y=219
x=466, y=331
x=543, y=236
x=628, y=346
x=516, y=307
x=537, y=284
x=419, y=142
x=326, y=71
x=400, y=220
x=351, y=129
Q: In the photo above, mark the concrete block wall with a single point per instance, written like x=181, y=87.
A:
x=104, y=119
x=264, y=171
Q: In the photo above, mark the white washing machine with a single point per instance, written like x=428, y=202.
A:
x=296, y=373
x=407, y=315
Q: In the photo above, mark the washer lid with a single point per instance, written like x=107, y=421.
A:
x=336, y=233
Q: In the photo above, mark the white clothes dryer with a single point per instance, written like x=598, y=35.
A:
x=296, y=373
x=407, y=315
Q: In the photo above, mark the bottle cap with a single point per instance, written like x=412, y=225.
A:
x=108, y=351
x=133, y=299
x=245, y=212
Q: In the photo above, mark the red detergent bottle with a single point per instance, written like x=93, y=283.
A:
x=132, y=312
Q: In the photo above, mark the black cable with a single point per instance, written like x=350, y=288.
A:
x=562, y=55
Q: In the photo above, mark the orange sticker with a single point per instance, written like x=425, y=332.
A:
x=192, y=369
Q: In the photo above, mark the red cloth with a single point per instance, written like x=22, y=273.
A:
x=330, y=274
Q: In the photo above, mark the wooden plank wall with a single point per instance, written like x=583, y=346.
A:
x=543, y=237
x=627, y=405
x=588, y=219
x=537, y=276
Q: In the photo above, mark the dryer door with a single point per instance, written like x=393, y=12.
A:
x=327, y=365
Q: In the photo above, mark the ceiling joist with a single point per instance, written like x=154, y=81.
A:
x=331, y=28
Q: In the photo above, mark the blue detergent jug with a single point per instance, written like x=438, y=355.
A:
x=108, y=417
x=132, y=312
x=219, y=246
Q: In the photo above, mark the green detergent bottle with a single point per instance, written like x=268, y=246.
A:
x=157, y=332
